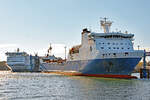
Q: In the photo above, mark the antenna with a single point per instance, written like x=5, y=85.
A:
x=104, y=18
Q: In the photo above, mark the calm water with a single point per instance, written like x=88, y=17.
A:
x=38, y=86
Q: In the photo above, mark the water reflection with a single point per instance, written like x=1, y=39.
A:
x=56, y=87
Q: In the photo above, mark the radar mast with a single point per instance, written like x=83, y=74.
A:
x=106, y=24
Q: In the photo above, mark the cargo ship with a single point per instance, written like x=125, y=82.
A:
x=22, y=62
x=107, y=54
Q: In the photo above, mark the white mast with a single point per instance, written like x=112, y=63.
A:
x=106, y=25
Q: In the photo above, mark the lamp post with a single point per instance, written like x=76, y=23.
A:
x=65, y=52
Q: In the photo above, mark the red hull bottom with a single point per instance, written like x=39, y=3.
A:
x=94, y=75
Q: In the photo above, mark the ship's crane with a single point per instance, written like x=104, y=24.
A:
x=49, y=51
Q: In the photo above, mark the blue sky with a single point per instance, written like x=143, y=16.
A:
x=32, y=25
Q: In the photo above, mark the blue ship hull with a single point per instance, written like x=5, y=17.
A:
x=113, y=66
x=116, y=66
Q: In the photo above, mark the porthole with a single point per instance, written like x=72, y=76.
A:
x=114, y=54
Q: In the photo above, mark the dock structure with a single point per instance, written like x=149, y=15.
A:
x=144, y=72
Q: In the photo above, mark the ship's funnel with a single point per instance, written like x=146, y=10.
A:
x=106, y=25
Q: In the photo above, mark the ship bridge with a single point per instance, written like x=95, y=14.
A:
x=16, y=54
x=108, y=35
x=111, y=35
x=106, y=25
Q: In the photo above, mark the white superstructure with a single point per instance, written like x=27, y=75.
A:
x=18, y=61
x=104, y=45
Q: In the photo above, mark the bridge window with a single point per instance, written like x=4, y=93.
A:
x=114, y=48
x=109, y=47
x=102, y=47
x=126, y=53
